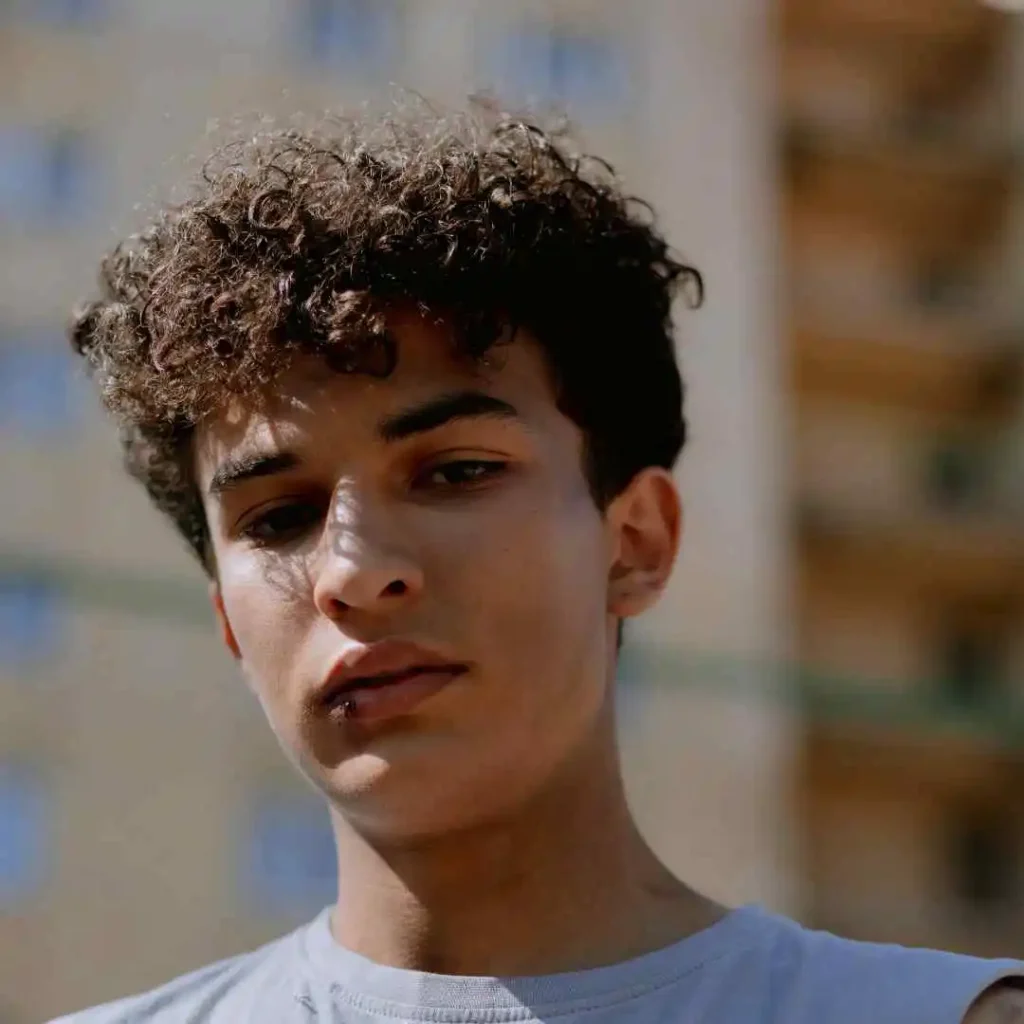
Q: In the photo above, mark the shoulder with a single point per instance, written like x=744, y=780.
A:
x=839, y=979
x=1002, y=1003
x=219, y=992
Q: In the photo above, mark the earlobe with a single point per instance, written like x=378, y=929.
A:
x=647, y=523
x=226, y=632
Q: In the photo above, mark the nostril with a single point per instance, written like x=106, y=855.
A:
x=396, y=588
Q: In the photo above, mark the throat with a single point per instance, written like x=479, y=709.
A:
x=505, y=901
x=567, y=932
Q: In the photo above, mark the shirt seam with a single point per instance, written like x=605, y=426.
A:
x=456, y=1015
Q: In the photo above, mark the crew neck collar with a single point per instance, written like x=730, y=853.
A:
x=374, y=986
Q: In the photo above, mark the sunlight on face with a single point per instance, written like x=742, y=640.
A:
x=445, y=505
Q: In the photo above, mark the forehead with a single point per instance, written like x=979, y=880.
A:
x=310, y=400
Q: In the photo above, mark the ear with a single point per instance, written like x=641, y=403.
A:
x=226, y=632
x=646, y=523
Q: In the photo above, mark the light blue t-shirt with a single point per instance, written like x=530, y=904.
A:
x=751, y=967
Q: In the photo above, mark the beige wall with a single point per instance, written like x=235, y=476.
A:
x=710, y=167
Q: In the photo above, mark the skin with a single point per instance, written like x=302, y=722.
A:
x=487, y=832
x=1002, y=1004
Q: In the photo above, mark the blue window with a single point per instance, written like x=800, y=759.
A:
x=581, y=71
x=41, y=394
x=31, y=621
x=361, y=36
x=289, y=861
x=44, y=174
x=24, y=834
x=74, y=13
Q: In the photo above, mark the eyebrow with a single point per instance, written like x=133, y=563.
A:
x=420, y=419
x=437, y=412
x=249, y=466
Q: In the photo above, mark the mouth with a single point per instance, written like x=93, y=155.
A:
x=340, y=694
x=385, y=680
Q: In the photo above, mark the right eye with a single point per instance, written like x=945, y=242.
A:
x=281, y=523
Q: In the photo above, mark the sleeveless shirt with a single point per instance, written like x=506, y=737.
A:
x=751, y=967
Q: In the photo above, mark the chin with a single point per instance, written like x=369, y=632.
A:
x=394, y=802
x=390, y=814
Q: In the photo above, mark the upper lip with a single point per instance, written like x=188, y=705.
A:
x=388, y=657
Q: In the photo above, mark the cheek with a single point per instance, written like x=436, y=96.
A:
x=532, y=594
x=531, y=577
x=268, y=620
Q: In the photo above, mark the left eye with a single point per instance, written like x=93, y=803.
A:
x=462, y=473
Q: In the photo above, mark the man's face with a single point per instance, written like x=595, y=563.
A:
x=445, y=506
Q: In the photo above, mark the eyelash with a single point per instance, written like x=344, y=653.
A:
x=310, y=512
x=490, y=467
x=254, y=530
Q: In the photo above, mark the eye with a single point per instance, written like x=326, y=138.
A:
x=281, y=523
x=462, y=473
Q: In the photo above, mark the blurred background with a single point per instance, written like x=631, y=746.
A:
x=824, y=715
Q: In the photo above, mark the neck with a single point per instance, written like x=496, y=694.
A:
x=566, y=883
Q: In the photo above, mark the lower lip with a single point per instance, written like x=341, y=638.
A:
x=391, y=700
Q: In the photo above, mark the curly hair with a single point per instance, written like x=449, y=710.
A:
x=297, y=241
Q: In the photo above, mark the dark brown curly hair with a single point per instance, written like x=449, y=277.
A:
x=297, y=241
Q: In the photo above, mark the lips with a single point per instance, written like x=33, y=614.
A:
x=386, y=679
x=391, y=663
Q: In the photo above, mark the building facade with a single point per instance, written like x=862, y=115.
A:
x=148, y=823
x=900, y=135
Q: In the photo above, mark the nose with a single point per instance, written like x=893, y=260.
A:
x=357, y=574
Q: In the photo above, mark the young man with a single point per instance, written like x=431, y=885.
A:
x=409, y=391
